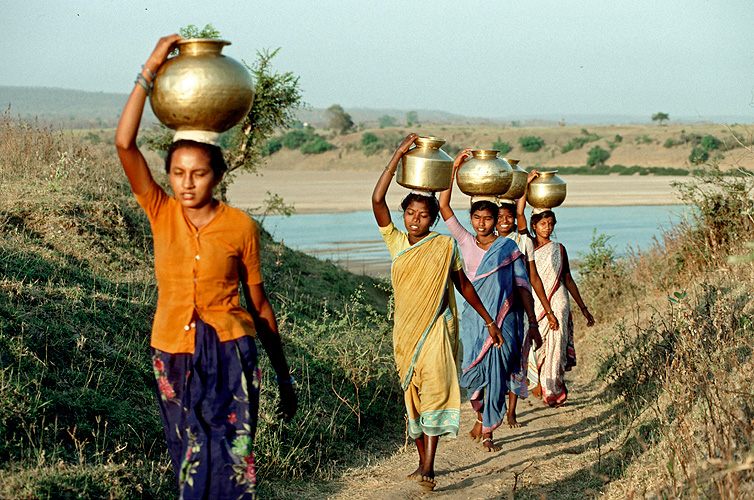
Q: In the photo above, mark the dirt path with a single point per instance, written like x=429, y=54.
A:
x=545, y=458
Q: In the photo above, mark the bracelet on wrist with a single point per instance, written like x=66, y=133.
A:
x=487, y=325
x=550, y=312
x=534, y=325
x=290, y=380
x=392, y=172
x=584, y=308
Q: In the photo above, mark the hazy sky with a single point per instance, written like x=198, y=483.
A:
x=479, y=58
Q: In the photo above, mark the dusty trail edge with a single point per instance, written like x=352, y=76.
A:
x=547, y=457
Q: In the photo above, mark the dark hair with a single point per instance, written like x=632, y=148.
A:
x=538, y=217
x=433, y=206
x=485, y=205
x=509, y=207
x=216, y=159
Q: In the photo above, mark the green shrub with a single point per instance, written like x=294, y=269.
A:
x=670, y=142
x=693, y=139
x=273, y=145
x=579, y=141
x=710, y=143
x=531, y=144
x=698, y=155
x=597, y=156
x=294, y=139
x=644, y=139
x=370, y=144
x=316, y=146
x=502, y=146
x=618, y=138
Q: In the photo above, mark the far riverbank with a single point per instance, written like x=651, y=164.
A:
x=345, y=191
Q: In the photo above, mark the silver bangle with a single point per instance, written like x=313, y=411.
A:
x=289, y=380
x=149, y=72
x=144, y=83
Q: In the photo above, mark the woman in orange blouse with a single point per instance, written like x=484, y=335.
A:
x=203, y=351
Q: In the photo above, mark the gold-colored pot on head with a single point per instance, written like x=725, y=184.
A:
x=547, y=190
x=426, y=167
x=484, y=174
x=201, y=89
x=518, y=183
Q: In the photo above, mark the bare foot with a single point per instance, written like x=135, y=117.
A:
x=416, y=474
x=476, y=432
x=487, y=443
x=537, y=391
x=512, y=422
x=427, y=483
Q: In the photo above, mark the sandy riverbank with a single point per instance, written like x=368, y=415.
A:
x=329, y=191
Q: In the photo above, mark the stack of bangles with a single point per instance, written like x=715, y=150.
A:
x=141, y=80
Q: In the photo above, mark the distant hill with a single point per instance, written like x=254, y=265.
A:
x=66, y=107
x=80, y=109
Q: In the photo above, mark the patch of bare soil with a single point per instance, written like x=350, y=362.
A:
x=545, y=458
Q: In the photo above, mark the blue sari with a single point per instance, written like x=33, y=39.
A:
x=486, y=369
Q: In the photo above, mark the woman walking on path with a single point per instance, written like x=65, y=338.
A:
x=506, y=225
x=557, y=354
x=425, y=338
x=496, y=269
x=203, y=351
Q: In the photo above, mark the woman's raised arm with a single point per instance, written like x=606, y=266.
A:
x=521, y=204
x=379, y=206
x=444, y=200
x=128, y=126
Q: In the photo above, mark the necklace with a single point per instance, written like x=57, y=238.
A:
x=479, y=243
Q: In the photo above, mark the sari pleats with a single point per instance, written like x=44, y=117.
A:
x=425, y=336
x=487, y=370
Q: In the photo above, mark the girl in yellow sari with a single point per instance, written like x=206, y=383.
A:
x=425, y=334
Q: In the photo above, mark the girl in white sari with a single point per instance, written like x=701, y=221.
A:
x=557, y=354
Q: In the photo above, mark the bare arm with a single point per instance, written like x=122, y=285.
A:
x=267, y=333
x=574, y=291
x=128, y=126
x=379, y=206
x=464, y=286
x=521, y=204
x=528, y=303
x=444, y=200
x=539, y=289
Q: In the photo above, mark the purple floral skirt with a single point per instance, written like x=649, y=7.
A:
x=208, y=403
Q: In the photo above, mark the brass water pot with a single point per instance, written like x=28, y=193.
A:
x=484, y=174
x=518, y=184
x=547, y=190
x=426, y=167
x=201, y=89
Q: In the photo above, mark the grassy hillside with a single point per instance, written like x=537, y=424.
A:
x=78, y=417
x=628, y=145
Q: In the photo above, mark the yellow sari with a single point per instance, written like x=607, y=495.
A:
x=425, y=337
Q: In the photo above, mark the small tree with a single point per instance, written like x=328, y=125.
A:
x=386, y=121
x=503, y=147
x=698, y=155
x=597, y=156
x=531, y=144
x=338, y=119
x=660, y=117
x=412, y=118
x=710, y=143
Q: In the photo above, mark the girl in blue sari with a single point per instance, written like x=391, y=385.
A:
x=497, y=270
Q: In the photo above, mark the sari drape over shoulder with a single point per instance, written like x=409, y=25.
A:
x=487, y=370
x=425, y=336
x=547, y=366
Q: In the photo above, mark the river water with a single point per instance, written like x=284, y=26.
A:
x=351, y=239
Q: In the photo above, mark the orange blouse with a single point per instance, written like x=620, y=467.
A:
x=198, y=272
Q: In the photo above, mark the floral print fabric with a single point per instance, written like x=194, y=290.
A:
x=208, y=403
